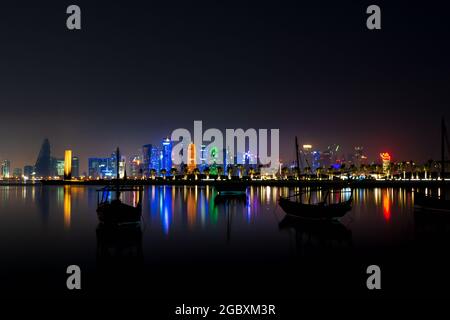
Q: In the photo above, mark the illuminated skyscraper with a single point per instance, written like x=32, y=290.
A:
x=203, y=157
x=386, y=158
x=358, y=157
x=6, y=169
x=17, y=173
x=100, y=168
x=146, y=159
x=155, y=159
x=67, y=164
x=191, y=157
x=135, y=166
x=43, y=162
x=307, y=156
x=75, y=167
x=28, y=171
x=166, y=161
x=315, y=160
x=57, y=167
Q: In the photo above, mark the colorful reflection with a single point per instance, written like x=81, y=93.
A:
x=67, y=206
x=386, y=205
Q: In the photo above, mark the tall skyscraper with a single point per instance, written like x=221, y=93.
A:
x=316, y=160
x=166, y=161
x=146, y=159
x=28, y=171
x=43, y=162
x=75, y=167
x=135, y=166
x=17, y=173
x=67, y=164
x=203, y=157
x=358, y=156
x=155, y=159
x=57, y=167
x=307, y=155
x=100, y=168
x=6, y=169
x=192, y=157
x=386, y=159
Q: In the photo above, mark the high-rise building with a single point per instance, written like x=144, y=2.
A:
x=166, y=151
x=136, y=166
x=75, y=167
x=57, y=167
x=122, y=167
x=17, y=173
x=386, y=159
x=100, y=168
x=155, y=159
x=358, y=157
x=146, y=159
x=203, y=157
x=6, y=169
x=315, y=160
x=192, y=157
x=67, y=164
x=28, y=171
x=306, y=151
x=43, y=162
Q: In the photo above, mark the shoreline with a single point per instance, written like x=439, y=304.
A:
x=248, y=182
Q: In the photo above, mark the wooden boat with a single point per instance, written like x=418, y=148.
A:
x=115, y=212
x=320, y=210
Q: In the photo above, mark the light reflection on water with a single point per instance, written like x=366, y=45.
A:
x=53, y=226
x=191, y=208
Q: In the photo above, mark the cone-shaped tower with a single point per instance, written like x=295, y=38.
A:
x=43, y=162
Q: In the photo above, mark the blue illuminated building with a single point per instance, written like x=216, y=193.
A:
x=100, y=168
x=146, y=159
x=315, y=160
x=166, y=153
x=155, y=159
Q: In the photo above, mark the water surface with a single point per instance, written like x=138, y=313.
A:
x=191, y=243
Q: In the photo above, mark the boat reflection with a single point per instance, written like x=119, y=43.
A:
x=316, y=234
x=119, y=257
x=432, y=227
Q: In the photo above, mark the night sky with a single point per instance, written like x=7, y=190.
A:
x=138, y=70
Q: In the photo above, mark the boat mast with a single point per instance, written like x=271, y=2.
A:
x=117, y=163
x=442, y=149
x=296, y=153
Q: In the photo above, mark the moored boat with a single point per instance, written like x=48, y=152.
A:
x=320, y=210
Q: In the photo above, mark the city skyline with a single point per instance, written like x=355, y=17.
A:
x=312, y=71
x=159, y=156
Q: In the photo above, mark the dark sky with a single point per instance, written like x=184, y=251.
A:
x=138, y=70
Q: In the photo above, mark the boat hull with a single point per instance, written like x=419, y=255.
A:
x=315, y=211
x=118, y=213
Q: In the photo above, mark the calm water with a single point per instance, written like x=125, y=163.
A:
x=191, y=244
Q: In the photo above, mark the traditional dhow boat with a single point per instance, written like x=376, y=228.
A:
x=115, y=212
x=323, y=210
x=111, y=210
